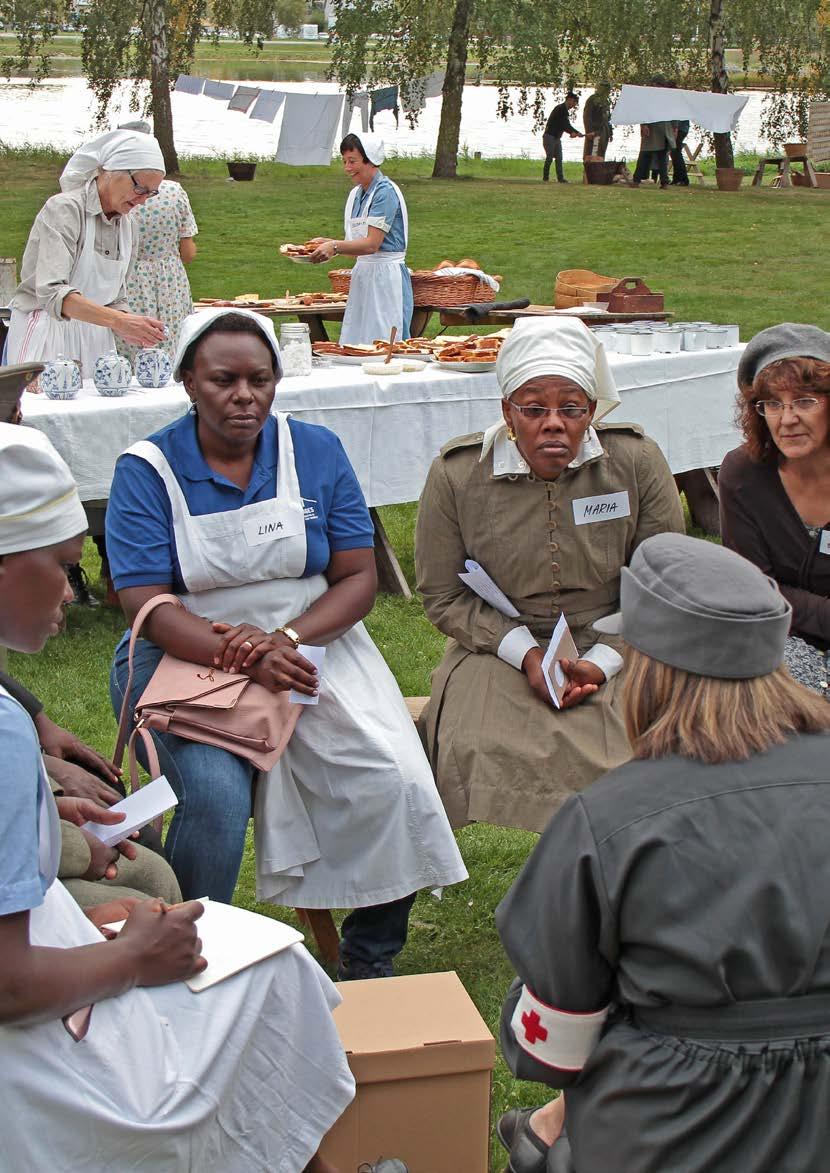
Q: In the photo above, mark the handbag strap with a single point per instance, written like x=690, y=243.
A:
x=138, y=623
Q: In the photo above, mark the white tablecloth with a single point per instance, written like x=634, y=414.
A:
x=392, y=427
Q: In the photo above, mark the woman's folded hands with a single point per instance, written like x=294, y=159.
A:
x=269, y=658
x=584, y=678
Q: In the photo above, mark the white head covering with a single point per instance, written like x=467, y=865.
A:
x=557, y=346
x=195, y=325
x=39, y=502
x=117, y=150
x=374, y=147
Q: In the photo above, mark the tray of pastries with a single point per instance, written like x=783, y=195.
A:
x=421, y=348
x=348, y=355
x=478, y=353
x=300, y=254
x=245, y=301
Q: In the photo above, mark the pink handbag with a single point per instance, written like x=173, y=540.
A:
x=202, y=703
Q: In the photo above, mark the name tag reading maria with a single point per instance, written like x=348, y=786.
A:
x=608, y=507
x=271, y=526
x=824, y=543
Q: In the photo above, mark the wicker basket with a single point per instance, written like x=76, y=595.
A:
x=795, y=150
x=340, y=279
x=449, y=291
x=576, y=286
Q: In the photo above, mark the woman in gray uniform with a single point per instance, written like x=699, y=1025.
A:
x=670, y=931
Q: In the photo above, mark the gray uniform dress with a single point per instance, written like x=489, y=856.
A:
x=693, y=899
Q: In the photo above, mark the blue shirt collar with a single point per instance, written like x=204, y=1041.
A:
x=192, y=466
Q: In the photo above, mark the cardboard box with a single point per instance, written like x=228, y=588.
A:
x=422, y=1058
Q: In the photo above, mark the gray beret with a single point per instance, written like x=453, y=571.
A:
x=789, y=340
x=700, y=607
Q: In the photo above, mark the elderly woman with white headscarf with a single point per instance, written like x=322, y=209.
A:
x=72, y=297
x=552, y=504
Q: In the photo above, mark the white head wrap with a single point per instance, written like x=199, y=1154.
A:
x=557, y=346
x=374, y=148
x=39, y=502
x=195, y=325
x=117, y=150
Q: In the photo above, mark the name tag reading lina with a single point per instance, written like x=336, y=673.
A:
x=608, y=507
x=273, y=525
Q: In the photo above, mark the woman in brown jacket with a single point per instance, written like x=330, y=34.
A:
x=552, y=506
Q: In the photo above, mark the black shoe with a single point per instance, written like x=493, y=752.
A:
x=351, y=969
x=528, y=1152
x=385, y=1165
x=80, y=587
x=563, y=181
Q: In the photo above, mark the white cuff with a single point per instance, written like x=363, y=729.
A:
x=515, y=646
x=555, y=1037
x=606, y=658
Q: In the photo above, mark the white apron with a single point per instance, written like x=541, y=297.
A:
x=39, y=337
x=167, y=1081
x=350, y=815
x=375, y=301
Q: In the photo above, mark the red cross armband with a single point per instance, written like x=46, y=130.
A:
x=554, y=1037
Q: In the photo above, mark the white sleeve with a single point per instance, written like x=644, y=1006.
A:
x=605, y=657
x=515, y=646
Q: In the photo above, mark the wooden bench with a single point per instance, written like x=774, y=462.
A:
x=319, y=920
x=784, y=178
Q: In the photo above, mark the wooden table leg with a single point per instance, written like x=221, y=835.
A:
x=391, y=579
x=758, y=177
x=324, y=931
x=420, y=320
x=786, y=179
x=701, y=488
x=316, y=329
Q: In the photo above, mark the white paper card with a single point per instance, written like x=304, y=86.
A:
x=232, y=939
x=140, y=807
x=478, y=580
x=607, y=507
x=824, y=543
x=561, y=647
x=316, y=655
x=271, y=526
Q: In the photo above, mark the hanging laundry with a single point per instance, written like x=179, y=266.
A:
x=434, y=85
x=358, y=102
x=309, y=124
x=267, y=105
x=384, y=99
x=244, y=97
x=186, y=84
x=223, y=90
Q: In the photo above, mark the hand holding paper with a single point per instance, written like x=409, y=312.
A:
x=478, y=580
x=140, y=808
x=561, y=647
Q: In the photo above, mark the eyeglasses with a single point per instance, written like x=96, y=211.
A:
x=774, y=407
x=140, y=189
x=569, y=412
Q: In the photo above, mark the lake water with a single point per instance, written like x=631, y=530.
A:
x=59, y=113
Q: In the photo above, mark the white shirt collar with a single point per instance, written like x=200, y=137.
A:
x=509, y=462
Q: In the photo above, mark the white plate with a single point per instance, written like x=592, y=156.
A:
x=469, y=368
x=381, y=368
x=351, y=360
x=295, y=259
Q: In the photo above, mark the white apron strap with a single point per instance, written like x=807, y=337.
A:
x=347, y=214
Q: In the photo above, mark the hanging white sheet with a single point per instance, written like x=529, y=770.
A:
x=267, y=105
x=309, y=125
x=715, y=112
x=186, y=84
x=223, y=90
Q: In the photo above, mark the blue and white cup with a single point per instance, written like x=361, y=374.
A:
x=113, y=374
x=153, y=367
x=61, y=378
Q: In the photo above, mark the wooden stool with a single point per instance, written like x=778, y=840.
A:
x=319, y=920
x=807, y=177
x=693, y=167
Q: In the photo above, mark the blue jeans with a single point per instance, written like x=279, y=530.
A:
x=206, y=837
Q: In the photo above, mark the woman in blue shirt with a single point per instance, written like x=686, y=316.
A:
x=377, y=231
x=258, y=523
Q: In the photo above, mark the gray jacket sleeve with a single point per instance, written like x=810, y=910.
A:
x=556, y=928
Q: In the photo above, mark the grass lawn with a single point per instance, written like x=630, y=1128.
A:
x=754, y=257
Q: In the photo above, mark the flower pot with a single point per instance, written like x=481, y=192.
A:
x=241, y=171
x=728, y=178
x=823, y=179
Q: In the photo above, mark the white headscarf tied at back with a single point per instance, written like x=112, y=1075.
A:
x=39, y=502
x=374, y=148
x=552, y=346
x=117, y=150
x=195, y=325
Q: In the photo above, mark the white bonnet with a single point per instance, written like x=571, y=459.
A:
x=39, y=502
x=195, y=325
x=117, y=150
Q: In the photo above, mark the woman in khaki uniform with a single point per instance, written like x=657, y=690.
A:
x=552, y=507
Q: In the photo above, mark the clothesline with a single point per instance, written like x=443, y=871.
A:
x=310, y=122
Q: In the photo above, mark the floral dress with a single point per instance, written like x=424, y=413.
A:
x=158, y=286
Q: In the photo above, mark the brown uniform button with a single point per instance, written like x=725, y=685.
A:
x=552, y=525
x=556, y=583
x=554, y=546
x=554, y=567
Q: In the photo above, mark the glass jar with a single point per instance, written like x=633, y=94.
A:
x=295, y=348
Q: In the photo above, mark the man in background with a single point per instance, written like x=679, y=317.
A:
x=596, y=118
x=558, y=124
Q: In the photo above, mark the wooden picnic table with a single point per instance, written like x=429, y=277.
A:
x=452, y=317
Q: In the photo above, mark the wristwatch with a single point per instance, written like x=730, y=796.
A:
x=335, y=249
x=292, y=635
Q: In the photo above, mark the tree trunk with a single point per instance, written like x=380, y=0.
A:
x=446, y=150
x=160, y=84
x=720, y=80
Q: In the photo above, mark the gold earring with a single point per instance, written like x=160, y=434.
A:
x=511, y=435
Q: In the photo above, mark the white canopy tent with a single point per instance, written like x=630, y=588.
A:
x=715, y=112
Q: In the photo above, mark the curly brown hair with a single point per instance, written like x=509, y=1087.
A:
x=801, y=376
